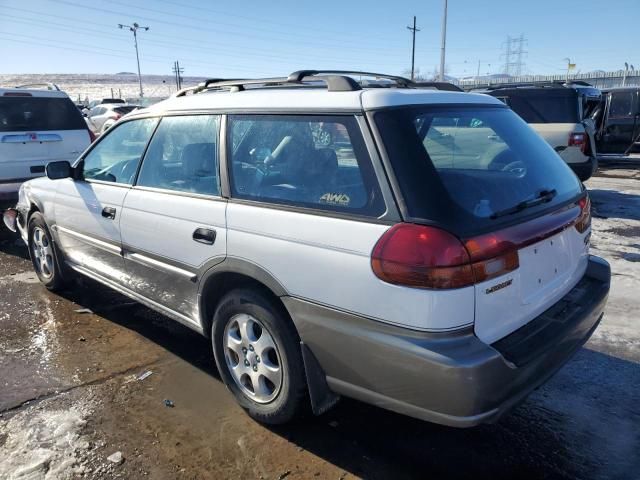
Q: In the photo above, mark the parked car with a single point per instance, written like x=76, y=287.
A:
x=38, y=124
x=618, y=121
x=430, y=256
x=560, y=114
x=104, y=101
x=102, y=117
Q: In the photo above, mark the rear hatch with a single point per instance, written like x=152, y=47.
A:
x=35, y=130
x=481, y=173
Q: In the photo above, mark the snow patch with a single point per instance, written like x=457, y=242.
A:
x=42, y=444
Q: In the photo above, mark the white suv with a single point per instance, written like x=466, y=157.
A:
x=37, y=126
x=424, y=251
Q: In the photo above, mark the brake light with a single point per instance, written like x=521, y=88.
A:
x=428, y=257
x=579, y=139
x=17, y=94
x=584, y=219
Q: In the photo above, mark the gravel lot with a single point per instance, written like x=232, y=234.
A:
x=70, y=393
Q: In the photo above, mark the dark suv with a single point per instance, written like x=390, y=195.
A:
x=559, y=112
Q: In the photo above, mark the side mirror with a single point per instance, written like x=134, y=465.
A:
x=58, y=170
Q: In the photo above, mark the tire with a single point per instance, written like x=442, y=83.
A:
x=106, y=126
x=241, y=320
x=44, y=254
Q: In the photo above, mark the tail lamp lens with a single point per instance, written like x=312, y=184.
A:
x=584, y=219
x=428, y=257
x=578, y=139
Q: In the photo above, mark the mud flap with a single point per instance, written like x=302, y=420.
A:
x=322, y=398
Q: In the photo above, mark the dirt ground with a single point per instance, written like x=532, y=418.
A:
x=72, y=393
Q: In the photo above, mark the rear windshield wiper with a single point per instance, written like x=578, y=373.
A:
x=543, y=196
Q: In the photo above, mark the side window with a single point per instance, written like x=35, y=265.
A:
x=183, y=155
x=621, y=105
x=115, y=157
x=308, y=161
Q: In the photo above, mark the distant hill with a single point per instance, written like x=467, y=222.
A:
x=83, y=86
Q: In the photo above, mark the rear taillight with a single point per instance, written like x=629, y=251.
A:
x=584, y=219
x=579, y=139
x=117, y=116
x=427, y=257
x=92, y=136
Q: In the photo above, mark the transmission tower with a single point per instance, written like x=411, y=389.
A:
x=514, y=54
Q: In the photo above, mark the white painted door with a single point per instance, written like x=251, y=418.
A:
x=88, y=211
x=173, y=221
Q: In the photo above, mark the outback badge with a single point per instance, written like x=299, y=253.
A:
x=499, y=286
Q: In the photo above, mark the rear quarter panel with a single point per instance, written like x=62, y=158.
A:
x=327, y=261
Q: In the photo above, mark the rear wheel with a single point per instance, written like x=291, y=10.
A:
x=258, y=355
x=44, y=254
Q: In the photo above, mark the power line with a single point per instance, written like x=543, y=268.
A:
x=413, y=30
x=244, y=34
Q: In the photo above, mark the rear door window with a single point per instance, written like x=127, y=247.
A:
x=316, y=162
x=38, y=114
x=183, y=155
x=116, y=156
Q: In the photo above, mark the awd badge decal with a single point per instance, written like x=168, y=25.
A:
x=335, y=198
x=499, y=286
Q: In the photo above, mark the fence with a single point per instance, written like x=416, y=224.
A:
x=600, y=80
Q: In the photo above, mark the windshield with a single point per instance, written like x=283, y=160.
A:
x=472, y=167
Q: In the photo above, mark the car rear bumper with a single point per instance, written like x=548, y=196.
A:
x=586, y=169
x=450, y=378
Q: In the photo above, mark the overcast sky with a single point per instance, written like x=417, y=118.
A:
x=267, y=38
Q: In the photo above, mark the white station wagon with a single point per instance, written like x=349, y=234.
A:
x=421, y=250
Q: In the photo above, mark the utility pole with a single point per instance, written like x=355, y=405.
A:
x=134, y=28
x=444, y=41
x=177, y=71
x=413, y=29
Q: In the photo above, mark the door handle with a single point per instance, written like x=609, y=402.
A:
x=204, y=235
x=109, y=212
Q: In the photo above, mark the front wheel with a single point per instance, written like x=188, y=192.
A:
x=258, y=355
x=44, y=254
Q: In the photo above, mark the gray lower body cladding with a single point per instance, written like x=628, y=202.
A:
x=449, y=378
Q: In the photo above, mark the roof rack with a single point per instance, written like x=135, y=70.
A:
x=198, y=88
x=49, y=85
x=335, y=81
x=446, y=86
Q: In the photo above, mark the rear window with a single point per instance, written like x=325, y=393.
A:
x=545, y=107
x=466, y=167
x=124, y=110
x=20, y=114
